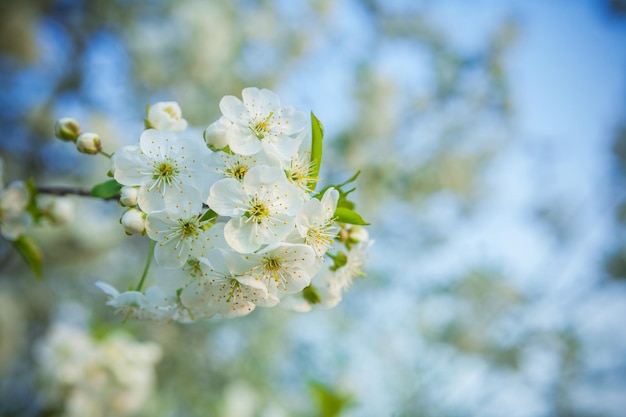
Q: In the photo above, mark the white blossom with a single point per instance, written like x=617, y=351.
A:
x=284, y=268
x=166, y=115
x=260, y=123
x=262, y=207
x=85, y=376
x=222, y=284
x=14, y=220
x=168, y=169
x=299, y=171
x=353, y=268
x=315, y=222
x=179, y=233
x=153, y=305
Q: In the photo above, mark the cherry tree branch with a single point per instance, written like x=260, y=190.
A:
x=63, y=191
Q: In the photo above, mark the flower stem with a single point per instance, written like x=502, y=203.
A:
x=108, y=155
x=147, y=266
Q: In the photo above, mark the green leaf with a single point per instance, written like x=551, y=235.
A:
x=311, y=295
x=107, y=189
x=330, y=403
x=317, y=135
x=30, y=253
x=345, y=215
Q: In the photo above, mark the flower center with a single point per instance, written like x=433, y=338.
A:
x=164, y=172
x=193, y=266
x=257, y=212
x=238, y=171
x=300, y=172
x=188, y=228
x=272, y=263
x=261, y=128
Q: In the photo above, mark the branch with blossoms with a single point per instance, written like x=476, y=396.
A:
x=234, y=215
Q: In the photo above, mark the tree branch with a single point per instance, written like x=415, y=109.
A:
x=62, y=191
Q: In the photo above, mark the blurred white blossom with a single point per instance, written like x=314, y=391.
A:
x=87, y=376
x=14, y=220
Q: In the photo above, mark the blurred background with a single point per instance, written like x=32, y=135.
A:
x=491, y=136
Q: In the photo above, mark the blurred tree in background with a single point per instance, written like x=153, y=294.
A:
x=433, y=330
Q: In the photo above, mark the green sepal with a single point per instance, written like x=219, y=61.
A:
x=340, y=259
x=31, y=206
x=146, y=122
x=107, y=189
x=317, y=136
x=311, y=294
x=30, y=252
x=345, y=215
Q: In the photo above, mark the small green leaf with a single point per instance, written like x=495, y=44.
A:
x=343, y=200
x=345, y=215
x=30, y=252
x=317, y=135
x=311, y=295
x=330, y=403
x=107, y=189
x=338, y=187
x=351, y=179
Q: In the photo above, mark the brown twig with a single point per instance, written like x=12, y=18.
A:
x=62, y=191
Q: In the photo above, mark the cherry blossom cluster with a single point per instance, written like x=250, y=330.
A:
x=233, y=216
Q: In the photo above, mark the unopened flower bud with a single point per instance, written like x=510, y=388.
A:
x=215, y=134
x=89, y=143
x=61, y=210
x=133, y=221
x=128, y=196
x=359, y=234
x=166, y=115
x=67, y=128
